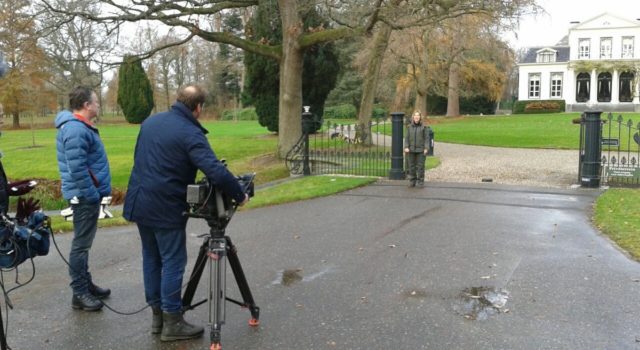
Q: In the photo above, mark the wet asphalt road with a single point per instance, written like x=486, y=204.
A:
x=379, y=267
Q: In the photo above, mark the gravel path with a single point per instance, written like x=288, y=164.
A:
x=516, y=166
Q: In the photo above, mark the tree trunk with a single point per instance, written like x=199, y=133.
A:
x=16, y=120
x=421, y=92
x=453, y=97
x=370, y=84
x=290, y=101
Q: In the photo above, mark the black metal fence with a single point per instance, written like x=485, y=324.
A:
x=620, y=151
x=344, y=149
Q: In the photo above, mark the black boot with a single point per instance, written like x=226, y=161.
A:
x=156, y=322
x=86, y=302
x=99, y=292
x=174, y=327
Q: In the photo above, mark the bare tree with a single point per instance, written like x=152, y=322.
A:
x=353, y=17
x=78, y=48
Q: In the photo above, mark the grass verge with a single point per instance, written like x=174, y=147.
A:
x=289, y=191
x=616, y=215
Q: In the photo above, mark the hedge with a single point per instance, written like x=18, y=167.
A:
x=541, y=106
x=348, y=111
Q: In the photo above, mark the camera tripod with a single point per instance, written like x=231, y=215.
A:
x=215, y=250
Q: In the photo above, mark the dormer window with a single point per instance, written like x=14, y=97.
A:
x=546, y=56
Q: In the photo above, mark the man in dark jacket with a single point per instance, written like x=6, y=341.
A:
x=84, y=170
x=416, y=146
x=171, y=147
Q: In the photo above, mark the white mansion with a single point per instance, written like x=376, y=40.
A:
x=598, y=63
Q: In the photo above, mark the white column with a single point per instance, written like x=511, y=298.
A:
x=593, y=92
x=615, y=87
x=569, y=87
x=636, y=93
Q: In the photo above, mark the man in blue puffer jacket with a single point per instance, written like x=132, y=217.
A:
x=84, y=170
x=171, y=147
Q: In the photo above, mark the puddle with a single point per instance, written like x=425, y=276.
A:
x=289, y=277
x=480, y=303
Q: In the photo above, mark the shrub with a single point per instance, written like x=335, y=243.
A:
x=542, y=106
x=240, y=114
x=379, y=112
x=135, y=95
x=344, y=111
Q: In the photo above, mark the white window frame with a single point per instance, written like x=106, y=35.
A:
x=556, y=85
x=534, y=85
x=627, y=51
x=605, y=47
x=584, y=48
x=546, y=56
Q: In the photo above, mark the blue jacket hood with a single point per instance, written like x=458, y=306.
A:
x=63, y=117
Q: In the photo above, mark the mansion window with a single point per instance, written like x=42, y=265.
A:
x=626, y=83
x=556, y=85
x=627, y=47
x=534, y=85
x=604, y=87
x=584, y=48
x=605, y=47
x=546, y=56
x=583, y=88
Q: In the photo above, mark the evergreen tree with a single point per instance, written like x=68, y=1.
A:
x=135, y=95
x=320, y=68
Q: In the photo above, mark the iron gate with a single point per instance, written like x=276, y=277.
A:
x=620, y=143
x=344, y=149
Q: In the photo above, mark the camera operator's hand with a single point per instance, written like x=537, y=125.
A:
x=245, y=201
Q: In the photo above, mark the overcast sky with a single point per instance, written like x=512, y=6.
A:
x=548, y=28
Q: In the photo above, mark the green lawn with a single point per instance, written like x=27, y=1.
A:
x=236, y=141
x=239, y=142
x=617, y=214
x=554, y=131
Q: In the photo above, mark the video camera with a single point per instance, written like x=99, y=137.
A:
x=210, y=203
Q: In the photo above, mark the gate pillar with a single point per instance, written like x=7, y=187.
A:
x=397, y=127
x=590, y=165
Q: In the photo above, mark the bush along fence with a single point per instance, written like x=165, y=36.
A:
x=620, y=151
x=347, y=149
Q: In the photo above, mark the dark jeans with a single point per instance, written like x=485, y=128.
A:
x=416, y=166
x=164, y=257
x=85, y=224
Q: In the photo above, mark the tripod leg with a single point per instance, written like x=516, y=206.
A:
x=217, y=287
x=3, y=336
x=195, y=276
x=243, y=286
